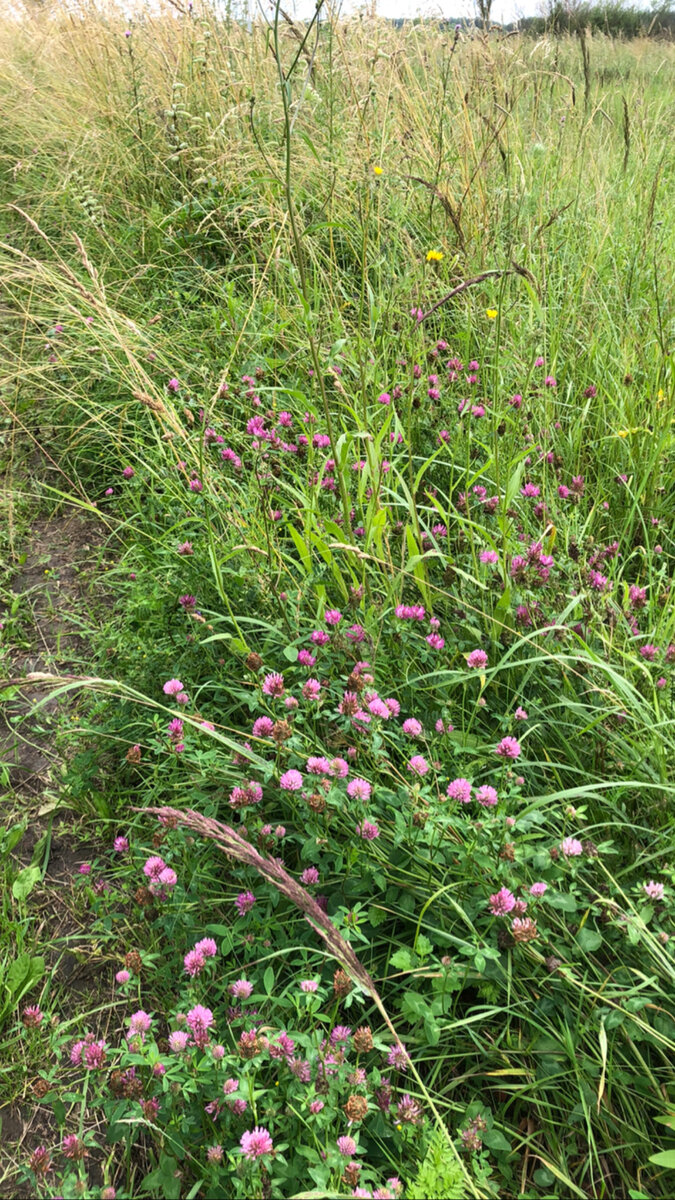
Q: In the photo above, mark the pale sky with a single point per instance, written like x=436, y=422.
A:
x=503, y=11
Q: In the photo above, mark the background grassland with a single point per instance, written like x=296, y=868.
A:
x=151, y=185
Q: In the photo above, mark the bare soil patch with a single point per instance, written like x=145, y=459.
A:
x=60, y=591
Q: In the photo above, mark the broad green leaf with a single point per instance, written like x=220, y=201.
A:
x=589, y=939
x=25, y=882
x=376, y=916
x=665, y=1158
x=668, y=1120
x=22, y=974
x=402, y=960
x=562, y=901
x=495, y=1140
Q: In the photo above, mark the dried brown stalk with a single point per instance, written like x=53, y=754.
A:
x=461, y=287
x=232, y=844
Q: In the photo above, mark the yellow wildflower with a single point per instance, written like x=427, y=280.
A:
x=435, y=256
x=377, y=170
x=491, y=313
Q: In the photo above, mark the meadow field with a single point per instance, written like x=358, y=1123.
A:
x=337, y=636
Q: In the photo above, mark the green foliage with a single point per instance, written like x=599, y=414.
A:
x=17, y=977
x=440, y=1176
x=227, y=379
x=25, y=882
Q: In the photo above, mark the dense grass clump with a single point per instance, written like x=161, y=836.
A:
x=354, y=344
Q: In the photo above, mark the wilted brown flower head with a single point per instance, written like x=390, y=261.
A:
x=125, y=1084
x=350, y=1177
x=363, y=1040
x=40, y=1161
x=356, y=1108
x=342, y=984
x=409, y=1111
x=282, y=731
x=524, y=929
x=249, y=1044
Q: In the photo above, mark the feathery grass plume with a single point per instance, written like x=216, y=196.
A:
x=232, y=844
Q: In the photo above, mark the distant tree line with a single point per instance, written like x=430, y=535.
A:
x=614, y=19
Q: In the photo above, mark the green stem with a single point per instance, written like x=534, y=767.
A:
x=284, y=85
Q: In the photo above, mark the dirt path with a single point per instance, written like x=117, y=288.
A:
x=52, y=606
x=57, y=590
